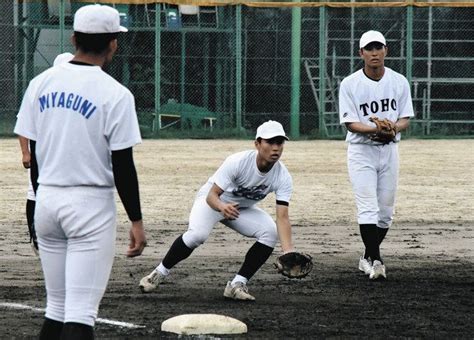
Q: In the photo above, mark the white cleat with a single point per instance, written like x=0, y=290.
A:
x=365, y=265
x=378, y=271
x=151, y=281
x=238, y=292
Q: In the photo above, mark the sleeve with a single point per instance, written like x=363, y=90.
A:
x=25, y=125
x=347, y=111
x=121, y=127
x=126, y=182
x=285, y=187
x=225, y=174
x=405, y=102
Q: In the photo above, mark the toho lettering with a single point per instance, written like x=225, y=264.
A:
x=65, y=100
x=378, y=106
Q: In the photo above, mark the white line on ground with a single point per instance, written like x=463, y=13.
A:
x=12, y=305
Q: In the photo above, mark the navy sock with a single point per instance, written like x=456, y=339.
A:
x=257, y=255
x=77, y=331
x=370, y=237
x=177, y=253
x=51, y=330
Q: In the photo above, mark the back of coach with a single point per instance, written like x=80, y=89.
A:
x=83, y=125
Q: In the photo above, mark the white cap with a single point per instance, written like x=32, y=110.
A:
x=93, y=19
x=270, y=129
x=371, y=36
x=63, y=58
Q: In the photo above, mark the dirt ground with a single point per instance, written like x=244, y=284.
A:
x=429, y=251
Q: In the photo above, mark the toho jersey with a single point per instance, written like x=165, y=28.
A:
x=244, y=184
x=361, y=98
x=83, y=114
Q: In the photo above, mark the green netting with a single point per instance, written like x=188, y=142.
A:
x=217, y=71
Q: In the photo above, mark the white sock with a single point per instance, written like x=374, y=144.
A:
x=239, y=278
x=163, y=270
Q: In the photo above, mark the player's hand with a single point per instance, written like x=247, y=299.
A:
x=137, y=239
x=26, y=160
x=230, y=210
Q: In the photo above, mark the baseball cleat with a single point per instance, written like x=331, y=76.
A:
x=365, y=265
x=151, y=281
x=377, y=271
x=238, y=292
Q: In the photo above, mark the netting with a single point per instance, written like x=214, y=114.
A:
x=220, y=68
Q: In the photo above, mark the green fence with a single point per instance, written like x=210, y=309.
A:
x=220, y=69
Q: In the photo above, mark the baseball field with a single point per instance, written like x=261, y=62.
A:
x=429, y=251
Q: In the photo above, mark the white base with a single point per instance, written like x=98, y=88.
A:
x=203, y=324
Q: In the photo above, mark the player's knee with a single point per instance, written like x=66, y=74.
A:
x=268, y=237
x=194, y=239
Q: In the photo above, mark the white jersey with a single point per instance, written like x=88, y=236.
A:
x=83, y=114
x=361, y=98
x=244, y=184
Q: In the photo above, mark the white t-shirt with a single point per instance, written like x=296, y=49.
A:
x=361, y=98
x=77, y=115
x=244, y=184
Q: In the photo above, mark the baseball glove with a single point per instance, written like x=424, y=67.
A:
x=294, y=265
x=385, y=130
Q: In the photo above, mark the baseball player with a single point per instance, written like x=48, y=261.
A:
x=230, y=197
x=374, y=91
x=26, y=161
x=82, y=127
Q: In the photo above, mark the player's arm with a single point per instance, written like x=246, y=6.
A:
x=284, y=226
x=402, y=124
x=25, y=151
x=229, y=210
x=358, y=127
x=126, y=182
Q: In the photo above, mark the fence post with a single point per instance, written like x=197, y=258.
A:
x=238, y=68
x=157, y=66
x=322, y=70
x=295, y=70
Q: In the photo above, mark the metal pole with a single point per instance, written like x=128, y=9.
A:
x=62, y=25
x=157, y=66
x=238, y=67
x=429, y=64
x=322, y=70
x=352, y=37
x=409, y=47
x=295, y=70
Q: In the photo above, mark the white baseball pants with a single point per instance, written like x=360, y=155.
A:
x=252, y=222
x=76, y=235
x=373, y=171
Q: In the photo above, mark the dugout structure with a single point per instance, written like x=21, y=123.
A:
x=230, y=65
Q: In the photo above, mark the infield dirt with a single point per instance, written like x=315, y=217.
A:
x=428, y=252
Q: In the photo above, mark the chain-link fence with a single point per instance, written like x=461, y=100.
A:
x=220, y=70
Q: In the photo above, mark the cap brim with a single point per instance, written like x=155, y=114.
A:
x=123, y=29
x=273, y=136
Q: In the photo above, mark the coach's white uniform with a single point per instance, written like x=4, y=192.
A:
x=373, y=166
x=244, y=184
x=77, y=115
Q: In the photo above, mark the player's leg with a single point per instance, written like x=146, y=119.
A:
x=387, y=187
x=386, y=191
x=201, y=222
x=53, y=261
x=89, y=222
x=256, y=223
x=362, y=164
